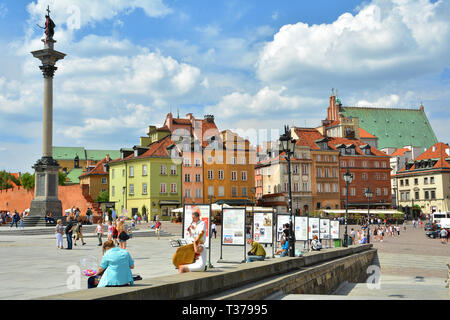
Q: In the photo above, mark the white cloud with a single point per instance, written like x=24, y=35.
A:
x=384, y=40
x=92, y=11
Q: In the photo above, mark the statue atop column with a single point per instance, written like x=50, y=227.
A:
x=49, y=27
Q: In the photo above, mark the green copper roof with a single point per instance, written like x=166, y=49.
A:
x=74, y=174
x=394, y=127
x=68, y=153
x=100, y=154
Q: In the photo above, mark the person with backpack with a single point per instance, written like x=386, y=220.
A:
x=15, y=219
x=69, y=229
x=79, y=233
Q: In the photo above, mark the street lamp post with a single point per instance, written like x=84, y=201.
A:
x=369, y=194
x=348, y=178
x=288, y=146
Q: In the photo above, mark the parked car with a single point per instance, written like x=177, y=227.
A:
x=431, y=226
x=436, y=233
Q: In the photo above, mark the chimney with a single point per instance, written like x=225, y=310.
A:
x=209, y=118
x=332, y=113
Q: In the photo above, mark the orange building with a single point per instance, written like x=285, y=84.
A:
x=97, y=178
x=229, y=169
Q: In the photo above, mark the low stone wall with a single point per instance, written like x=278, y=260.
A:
x=197, y=285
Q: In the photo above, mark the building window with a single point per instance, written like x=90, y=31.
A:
x=377, y=164
x=351, y=163
x=416, y=195
x=425, y=180
x=221, y=191
x=352, y=191
x=131, y=189
x=427, y=195
x=343, y=164
x=198, y=163
x=163, y=169
x=173, y=188
x=406, y=182
x=384, y=165
x=244, y=175
x=296, y=187
x=144, y=188
x=210, y=174
x=327, y=187
x=144, y=170
x=431, y=180
x=327, y=172
x=131, y=171
x=364, y=176
x=377, y=176
x=210, y=190
x=173, y=170
x=113, y=191
x=319, y=157
x=319, y=187
x=244, y=191
x=335, y=172
x=385, y=176
x=344, y=191
x=162, y=188
x=305, y=169
x=233, y=160
x=112, y=174
x=233, y=175
x=433, y=194
x=198, y=193
x=243, y=161
x=234, y=192
x=335, y=187
x=305, y=186
x=198, y=178
x=220, y=174
x=319, y=173
x=364, y=164
x=385, y=191
x=123, y=173
x=295, y=169
x=104, y=180
x=187, y=193
x=401, y=183
x=187, y=162
x=378, y=192
x=407, y=195
x=187, y=177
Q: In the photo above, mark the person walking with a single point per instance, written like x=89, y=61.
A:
x=69, y=229
x=21, y=221
x=79, y=233
x=99, y=232
x=59, y=232
x=158, y=228
x=110, y=231
x=122, y=235
x=213, y=229
x=443, y=235
x=15, y=219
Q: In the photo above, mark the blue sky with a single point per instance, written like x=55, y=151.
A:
x=253, y=64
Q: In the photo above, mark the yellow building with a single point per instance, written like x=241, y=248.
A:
x=97, y=178
x=425, y=182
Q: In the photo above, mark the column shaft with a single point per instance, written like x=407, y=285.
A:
x=47, y=129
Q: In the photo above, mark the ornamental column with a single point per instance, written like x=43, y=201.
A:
x=46, y=168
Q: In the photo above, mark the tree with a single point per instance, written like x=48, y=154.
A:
x=62, y=177
x=103, y=197
x=27, y=180
x=5, y=177
x=15, y=180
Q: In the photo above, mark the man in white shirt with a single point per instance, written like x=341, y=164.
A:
x=196, y=227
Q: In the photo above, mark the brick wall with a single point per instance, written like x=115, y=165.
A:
x=19, y=199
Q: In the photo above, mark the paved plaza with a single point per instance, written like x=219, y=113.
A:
x=32, y=267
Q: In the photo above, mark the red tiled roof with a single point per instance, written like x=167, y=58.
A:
x=181, y=121
x=307, y=137
x=98, y=169
x=364, y=134
x=437, y=153
x=156, y=149
x=400, y=152
x=335, y=141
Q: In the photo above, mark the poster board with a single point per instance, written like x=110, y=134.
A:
x=263, y=227
x=281, y=220
x=205, y=216
x=324, y=230
x=233, y=227
x=313, y=228
x=334, y=229
x=301, y=228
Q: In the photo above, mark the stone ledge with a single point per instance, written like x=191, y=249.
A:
x=196, y=285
